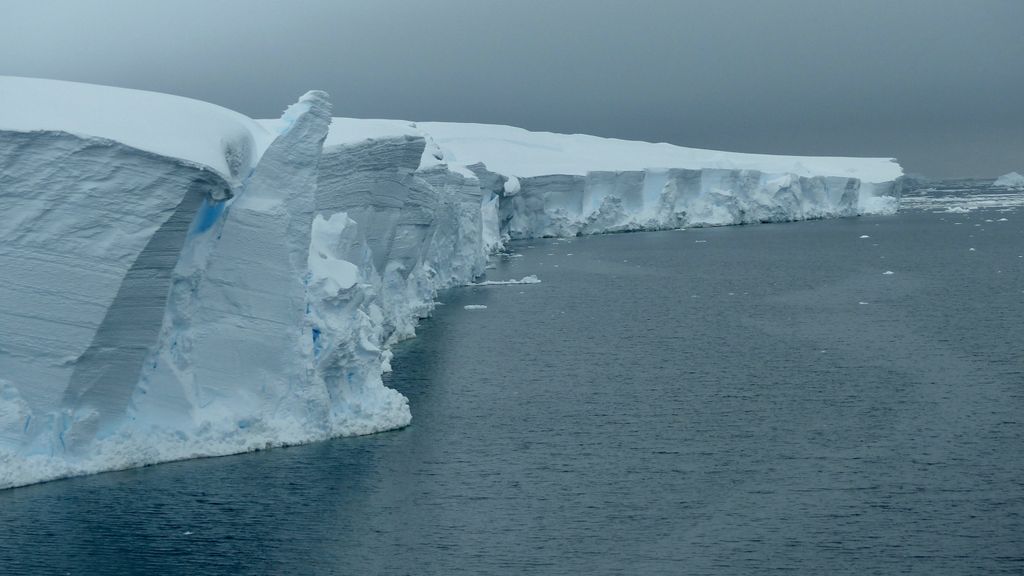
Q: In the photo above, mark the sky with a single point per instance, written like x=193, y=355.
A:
x=937, y=84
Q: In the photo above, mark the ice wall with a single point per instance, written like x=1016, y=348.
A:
x=232, y=370
x=155, y=307
x=206, y=284
x=569, y=205
x=396, y=234
x=92, y=229
x=571, y=184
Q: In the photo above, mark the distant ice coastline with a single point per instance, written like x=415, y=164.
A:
x=183, y=281
x=964, y=196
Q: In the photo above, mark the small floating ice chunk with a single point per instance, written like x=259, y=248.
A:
x=861, y=302
x=475, y=307
x=888, y=272
x=865, y=236
x=531, y=279
x=970, y=249
x=700, y=241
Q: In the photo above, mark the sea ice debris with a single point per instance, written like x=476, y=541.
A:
x=531, y=279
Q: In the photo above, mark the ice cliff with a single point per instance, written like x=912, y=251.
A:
x=178, y=280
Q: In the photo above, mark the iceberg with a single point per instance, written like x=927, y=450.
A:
x=180, y=280
x=1011, y=180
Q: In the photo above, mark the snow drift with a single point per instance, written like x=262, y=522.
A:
x=180, y=280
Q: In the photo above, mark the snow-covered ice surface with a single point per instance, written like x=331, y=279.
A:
x=182, y=281
x=517, y=152
x=195, y=132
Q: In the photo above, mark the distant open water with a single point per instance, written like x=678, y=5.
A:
x=756, y=399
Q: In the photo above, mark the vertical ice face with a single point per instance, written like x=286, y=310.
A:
x=396, y=232
x=375, y=184
x=420, y=229
x=348, y=332
x=138, y=331
x=656, y=199
x=105, y=375
x=236, y=352
x=92, y=231
x=457, y=248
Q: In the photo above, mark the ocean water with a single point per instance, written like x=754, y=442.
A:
x=756, y=399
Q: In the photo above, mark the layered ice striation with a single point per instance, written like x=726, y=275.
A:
x=180, y=280
x=565, y=185
x=133, y=329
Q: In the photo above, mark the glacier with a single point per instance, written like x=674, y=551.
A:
x=179, y=280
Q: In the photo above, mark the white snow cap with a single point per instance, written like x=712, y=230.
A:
x=515, y=151
x=354, y=130
x=197, y=132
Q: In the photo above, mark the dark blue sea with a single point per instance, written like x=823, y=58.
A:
x=826, y=397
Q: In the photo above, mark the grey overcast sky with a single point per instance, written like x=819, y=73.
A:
x=938, y=84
